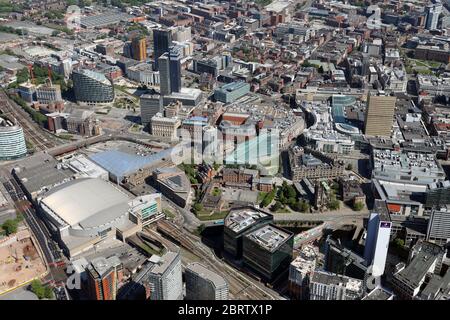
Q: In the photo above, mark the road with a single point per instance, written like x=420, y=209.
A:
x=327, y=216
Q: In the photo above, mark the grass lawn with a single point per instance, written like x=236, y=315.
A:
x=214, y=216
x=169, y=214
x=65, y=136
x=261, y=196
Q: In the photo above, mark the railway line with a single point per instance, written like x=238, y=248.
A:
x=240, y=285
x=33, y=133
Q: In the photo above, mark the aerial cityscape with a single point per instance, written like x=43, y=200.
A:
x=224, y=150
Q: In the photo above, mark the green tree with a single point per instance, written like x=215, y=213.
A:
x=400, y=243
x=268, y=198
x=358, y=206
x=200, y=229
x=197, y=208
x=334, y=204
x=10, y=226
x=304, y=206
x=349, y=167
x=22, y=76
x=39, y=290
x=276, y=206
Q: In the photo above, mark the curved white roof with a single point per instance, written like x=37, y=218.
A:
x=82, y=199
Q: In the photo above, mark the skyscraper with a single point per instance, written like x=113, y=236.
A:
x=203, y=284
x=175, y=55
x=162, y=40
x=101, y=279
x=139, y=48
x=165, y=278
x=150, y=106
x=377, y=241
x=379, y=115
x=164, y=74
x=433, y=11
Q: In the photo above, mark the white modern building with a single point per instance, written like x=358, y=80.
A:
x=12, y=140
x=377, y=242
x=165, y=277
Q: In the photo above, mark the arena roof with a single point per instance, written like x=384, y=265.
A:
x=83, y=200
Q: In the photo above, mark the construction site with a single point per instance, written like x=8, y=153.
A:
x=20, y=261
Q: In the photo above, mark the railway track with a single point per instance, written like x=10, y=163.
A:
x=33, y=133
x=238, y=284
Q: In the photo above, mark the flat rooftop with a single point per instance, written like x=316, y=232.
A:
x=420, y=265
x=161, y=266
x=414, y=164
x=205, y=273
x=269, y=237
x=329, y=278
x=240, y=220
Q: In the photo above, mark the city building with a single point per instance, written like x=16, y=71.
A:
x=239, y=222
x=380, y=294
x=82, y=122
x=300, y=271
x=139, y=48
x=12, y=140
x=399, y=166
x=433, y=11
x=379, y=115
x=304, y=165
x=173, y=184
x=187, y=96
x=424, y=261
x=150, y=106
x=84, y=212
x=91, y=87
x=27, y=91
x=203, y=284
x=230, y=92
x=164, y=74
x=351, y=191
x=145, y=209
x=437, y=194
x=268, y=251
x=48, y=93
x=144, y=74
x=164, y=127
x=175, y=55
x=102, y=278
x=439, y=226
x=343, y=261
x=85, y=168
x=162, y=41
x=377, y=241
x=164, y=277
x=329, y=286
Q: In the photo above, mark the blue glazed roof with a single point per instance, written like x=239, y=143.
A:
x=121, y=163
